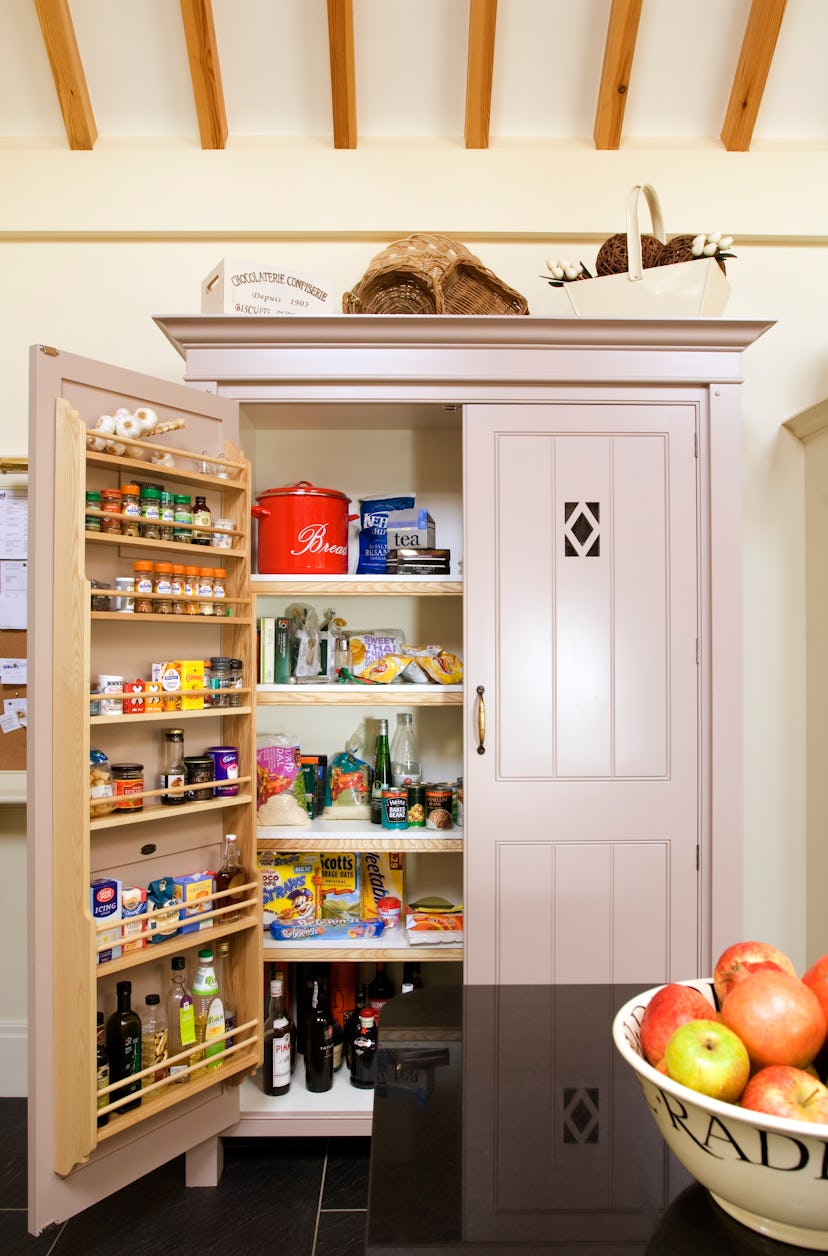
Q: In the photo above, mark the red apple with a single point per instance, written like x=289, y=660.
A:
x=779, y=1019
x=734, y=964
x=816, y=978
x=670, y=1007
x=707, y=1056
x=781, y=1090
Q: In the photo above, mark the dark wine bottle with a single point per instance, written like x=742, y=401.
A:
x=382, y=772
x=123, y=1046
x=319, y=1038
x=352, y=1024
x=364, y=1052
x=380, y=990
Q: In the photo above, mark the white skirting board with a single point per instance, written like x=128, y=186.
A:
x=14, y=1039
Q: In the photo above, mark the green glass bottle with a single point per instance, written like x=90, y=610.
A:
x=382, y=772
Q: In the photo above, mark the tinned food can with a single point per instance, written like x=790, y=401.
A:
x=394, y=808
x=439, y=801
x=416, y=807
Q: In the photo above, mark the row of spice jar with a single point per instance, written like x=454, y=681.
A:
x=172, y=686
x=149, y=511
x=166, y=589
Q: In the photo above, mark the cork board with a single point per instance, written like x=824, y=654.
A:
x=13, y=744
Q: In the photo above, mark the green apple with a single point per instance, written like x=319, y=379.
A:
x=707, y=1056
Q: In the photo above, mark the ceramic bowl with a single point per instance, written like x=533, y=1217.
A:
x=767, y=1172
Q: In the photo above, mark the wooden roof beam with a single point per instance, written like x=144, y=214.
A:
x=58, y=33
x=479, y=72
x=758, y=47
x=343, y=75
x=205, y=71
x=622, y=32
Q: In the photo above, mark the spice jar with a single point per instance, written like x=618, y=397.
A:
x=205, y=590
x=221, y=680
x=177, y=589
x=199, y=769
x=110, y=505
x=219, y=590
x=127, y=781
x=143, y=573
x=167, y=516
x=125, y=601
x=162, y=588
x=182, y=514
x=237, y=670
x=131, y=507
x=150, y=512
x=92, y=522
x=190, y=590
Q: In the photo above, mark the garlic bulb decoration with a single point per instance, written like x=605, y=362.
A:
x=147, y=418
x=106, y=423
x=710, y=244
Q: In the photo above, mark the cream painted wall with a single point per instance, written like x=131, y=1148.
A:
x=93, y=244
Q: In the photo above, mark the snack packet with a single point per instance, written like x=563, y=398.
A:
x=348, y=795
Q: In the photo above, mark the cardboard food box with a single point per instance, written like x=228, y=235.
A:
x=340, y=886
x=290, y=887
x=194, y=892
x=250, y=289
x=134, y=916
x=410, y=529
x=105, y=902
x=381, y=876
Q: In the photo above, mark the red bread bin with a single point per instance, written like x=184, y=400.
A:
x=303, y=530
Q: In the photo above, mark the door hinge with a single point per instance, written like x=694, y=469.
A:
x=50, y=350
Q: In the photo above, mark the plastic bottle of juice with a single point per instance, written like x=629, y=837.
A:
x=209, y=1010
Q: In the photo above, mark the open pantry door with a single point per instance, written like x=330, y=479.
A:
x=83, y=1146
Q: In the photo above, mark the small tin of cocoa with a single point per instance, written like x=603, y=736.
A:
x=199, y=769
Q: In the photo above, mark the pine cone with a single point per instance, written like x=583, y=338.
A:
x=612, y=255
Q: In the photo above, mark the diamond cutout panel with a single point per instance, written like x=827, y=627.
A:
x=580, y=1118
x=582, y=530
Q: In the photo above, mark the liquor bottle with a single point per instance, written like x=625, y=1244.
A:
x=280, y=976
x=154, y=1039
x=405, y=755
x=209, y=1010
x=276, y=1071
x=364, y=1052
x=412, y=978
x=318, y=1038
x=382, y=772
x=221, y=963
x=380, y=990
x=352, y=1023
x=102, y=1070
x=202, y=523
x=123, y=1046
x=180, y=1020
x=230, y=874
x=174, y=771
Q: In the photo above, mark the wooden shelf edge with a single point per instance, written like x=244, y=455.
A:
x=154, y=716
x=289, y=952
x=181, y=942
x=356, y=586
x=359, y=695
x=163, y=812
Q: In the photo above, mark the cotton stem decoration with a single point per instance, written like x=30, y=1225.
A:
x=686, y=248
x=565, y=271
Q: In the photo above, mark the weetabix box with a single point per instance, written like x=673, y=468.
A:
x=380, y=876
x=251, y=289
x=195, y=892
x=105, y=894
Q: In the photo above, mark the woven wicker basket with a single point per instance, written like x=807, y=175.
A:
x=430, y=274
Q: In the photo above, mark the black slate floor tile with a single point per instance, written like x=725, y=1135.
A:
x=271, y=1188
x=16, y=1241
x=13, y=1153
x=346, y=1176
x=341, y=1234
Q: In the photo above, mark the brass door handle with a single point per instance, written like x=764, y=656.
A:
x=481, y=721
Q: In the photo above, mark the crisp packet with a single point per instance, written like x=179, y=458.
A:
x=373, y=530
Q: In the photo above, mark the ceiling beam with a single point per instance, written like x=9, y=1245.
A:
x=482, y=21
x=622, y=32
x=758, y=46
x=343, y=75
x=58, y=33
x=205, y=72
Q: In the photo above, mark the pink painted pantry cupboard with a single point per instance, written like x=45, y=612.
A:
x=585, y=475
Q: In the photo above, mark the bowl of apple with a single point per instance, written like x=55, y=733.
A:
x=733, y=1070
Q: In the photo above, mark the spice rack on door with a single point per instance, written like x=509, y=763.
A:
x=86, y=641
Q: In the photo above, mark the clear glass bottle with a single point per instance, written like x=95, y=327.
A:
x=101, y=1070
x=123, y=1047
x=230, y=874
x=202, y=522
x=154, y=1039
x=180, y=1020
x=209, y=1010
x=364, y=1052
x=382, y=772
x=276, y=1069
x=221, y=963
x=174, y=771
x=405, y=755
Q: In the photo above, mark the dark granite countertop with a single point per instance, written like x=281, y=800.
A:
x=505, y=1122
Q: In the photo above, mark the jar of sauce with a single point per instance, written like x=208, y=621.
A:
x=127, y=781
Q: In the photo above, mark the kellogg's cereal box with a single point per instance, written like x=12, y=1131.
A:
x=290, y=887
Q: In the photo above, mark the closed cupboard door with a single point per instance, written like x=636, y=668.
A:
x=583, y=810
